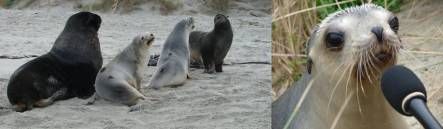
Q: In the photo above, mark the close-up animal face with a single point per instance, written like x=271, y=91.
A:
x=363, y=40
x=190, y=23
x=146, y=39
x=221, y=20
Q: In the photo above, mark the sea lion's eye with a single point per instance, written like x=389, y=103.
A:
x=162, y=70
x=393, y=23
x=143, y=38
x=334, y=40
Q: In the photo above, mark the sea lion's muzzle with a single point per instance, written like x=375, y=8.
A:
x=378, y=32
x=383, y=56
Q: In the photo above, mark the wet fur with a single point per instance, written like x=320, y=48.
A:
x=67, y=71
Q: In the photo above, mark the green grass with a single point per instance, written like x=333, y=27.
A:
x=392, y=5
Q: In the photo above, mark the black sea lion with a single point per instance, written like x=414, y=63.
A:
x=67, y=70
x=210, y=48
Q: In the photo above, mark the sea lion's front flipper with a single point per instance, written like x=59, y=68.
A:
x=92, y=99
x=56, y=96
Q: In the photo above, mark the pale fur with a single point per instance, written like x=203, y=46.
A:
x=337, y=99
x=120, y=80
x=173, y=65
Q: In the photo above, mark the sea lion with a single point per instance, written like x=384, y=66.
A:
x=347, y=53
x=210, y=48
x=173, y=65
x=120, y=80
x=67, y=70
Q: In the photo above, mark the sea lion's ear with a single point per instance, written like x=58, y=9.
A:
x=309, y=64
x=308, y=49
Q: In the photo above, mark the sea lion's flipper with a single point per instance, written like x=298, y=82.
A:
x=20, y=107
x=137, y=107
x=92, y=99
x=133, y=83
x=140, y=106
x=188, y=76
x=209, y=66
x=218, y=67
x=44, y=102
x=56, y=96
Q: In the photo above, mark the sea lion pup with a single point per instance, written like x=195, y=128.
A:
x=120, y=80
x=346, y=55
x=173, y=65
x=67, y=70
x=211, y=47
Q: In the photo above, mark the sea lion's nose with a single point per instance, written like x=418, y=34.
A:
x=378, y=32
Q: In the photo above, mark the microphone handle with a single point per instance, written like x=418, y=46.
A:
x=419, y=109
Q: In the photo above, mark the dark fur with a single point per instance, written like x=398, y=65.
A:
x=73, y=61
x=212, y=46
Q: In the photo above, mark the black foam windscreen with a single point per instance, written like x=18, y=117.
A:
x=397, y=82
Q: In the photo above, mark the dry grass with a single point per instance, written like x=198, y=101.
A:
x=168, y=6
x=218, y=5
x=288, y=37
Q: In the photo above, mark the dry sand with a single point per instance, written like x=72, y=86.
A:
x=240, y=97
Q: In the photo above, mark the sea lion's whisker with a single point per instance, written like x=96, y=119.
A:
x=376, y=68
x=333, y=73
x=360, y=76
x=370, y=56
x=357, y=83
x=365, y=65
x=340, y=112
x=349, y=78
x=371, y=66
x=335, y=87
x=358, y=102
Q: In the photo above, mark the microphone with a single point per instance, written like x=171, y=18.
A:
x=406, y=94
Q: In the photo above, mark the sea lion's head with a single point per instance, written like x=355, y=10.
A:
x=187, y=24
x=221, y=21
x=144, y=40
x=361, y=40
x=83, y=21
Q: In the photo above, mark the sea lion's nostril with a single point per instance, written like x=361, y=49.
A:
x=152, y=34
x=378, y=32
